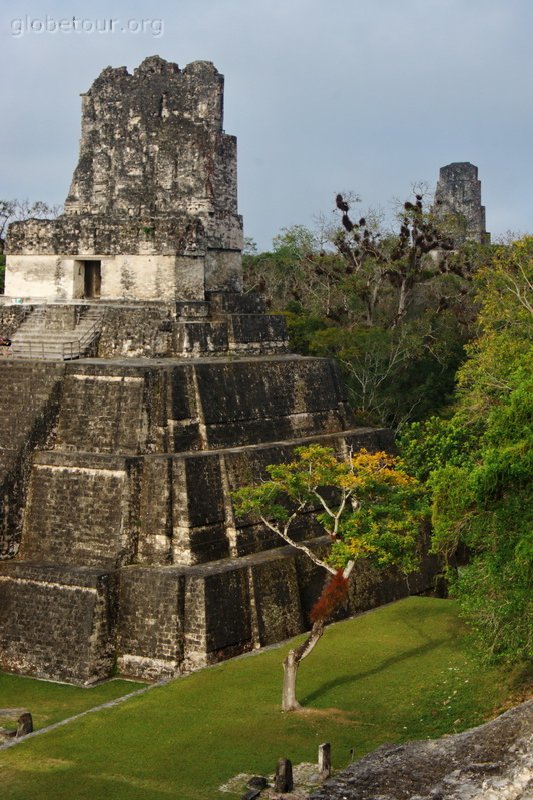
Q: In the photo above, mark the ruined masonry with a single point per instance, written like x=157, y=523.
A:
x=152, y=209
x=144, y=388
x=458, y=195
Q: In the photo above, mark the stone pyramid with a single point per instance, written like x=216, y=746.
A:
x=120, y=547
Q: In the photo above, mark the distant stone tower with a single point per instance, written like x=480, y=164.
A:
x=152, y=209
x=458, y=195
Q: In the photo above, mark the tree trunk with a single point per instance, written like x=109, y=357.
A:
x=402, y=302
x=291, y=664
x=297, y=654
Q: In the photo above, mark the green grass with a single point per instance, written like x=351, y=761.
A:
x=52, y=702
x=401, y=672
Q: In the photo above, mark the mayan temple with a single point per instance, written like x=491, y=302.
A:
x=143, y=388
x=458, y=196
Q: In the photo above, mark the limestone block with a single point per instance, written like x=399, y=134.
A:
x=246, y=329
x=40, y=277
x=236, y=303
x=217, y=615
x=276, y=600
x=81, y=510
x=247, y=402
x=57, y=623
x=223, y=269
x=155, y=511
x=150, y=626
x=29, y=395
x=102, y=413
x=195, y=339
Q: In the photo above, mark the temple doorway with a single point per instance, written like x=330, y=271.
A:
x=92, y=279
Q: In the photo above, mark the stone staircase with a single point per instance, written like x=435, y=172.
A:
x=57, y=332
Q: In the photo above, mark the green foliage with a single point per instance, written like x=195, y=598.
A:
x=436, y=442
x=303, y=327
x=393, y=374
x=366, y=503
x=297, y=271
x=480, y=462
x=395, y=319
x=500, y=358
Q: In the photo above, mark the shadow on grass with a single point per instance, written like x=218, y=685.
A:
x=343, y=680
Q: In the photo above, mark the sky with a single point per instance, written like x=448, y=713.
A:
x=324, y=96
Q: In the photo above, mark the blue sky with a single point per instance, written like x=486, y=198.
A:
x=323, y=96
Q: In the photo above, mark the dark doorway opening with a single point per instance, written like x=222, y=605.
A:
x=92, y=279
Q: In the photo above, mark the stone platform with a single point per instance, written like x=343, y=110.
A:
x=220, y=325
x=119, y=538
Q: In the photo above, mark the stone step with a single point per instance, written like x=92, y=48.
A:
x=36, y=340
x=233, y=303
x=84, y=324
x=47, y=336
x=192, y=310
x=47, y=355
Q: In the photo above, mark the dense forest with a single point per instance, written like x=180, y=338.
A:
x=434, y=339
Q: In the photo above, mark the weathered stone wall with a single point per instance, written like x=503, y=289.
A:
x=185, y=329
x=490, y=762
x=242, y=404
x=132, y=407
x=189, y=330
x=12, y=317
x=29, y=399
x=138, y=485
x=153, y=198
x=102, y=412
x=150, y=635
x=81, y=510
x=458, y=195
x=104, y=237
x=175, y=619
x=276, y=601
x=51, y=274
x=153, y=142
x=56, y=622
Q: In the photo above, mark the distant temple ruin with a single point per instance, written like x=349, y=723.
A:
x=143, y=389
x=458, y=200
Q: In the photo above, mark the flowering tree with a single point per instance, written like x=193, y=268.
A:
x=369, y=507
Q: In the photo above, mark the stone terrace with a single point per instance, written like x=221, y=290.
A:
x=126, y=544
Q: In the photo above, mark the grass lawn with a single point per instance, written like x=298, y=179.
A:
x=52, y=702
x=398, y=673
